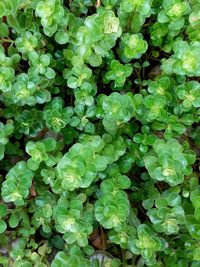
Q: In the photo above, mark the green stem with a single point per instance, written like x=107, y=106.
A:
x=123, y=258
x=3, y=40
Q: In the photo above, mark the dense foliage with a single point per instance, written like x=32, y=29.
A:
x=99, y=133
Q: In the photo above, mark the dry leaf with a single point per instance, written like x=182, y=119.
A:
x=98, y=239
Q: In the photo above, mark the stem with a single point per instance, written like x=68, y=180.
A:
x=143, y=73
x=106, y=253
x=98, y=3
x=123, y=258
x=103, y=244
x=3, y=40
x=152, y=58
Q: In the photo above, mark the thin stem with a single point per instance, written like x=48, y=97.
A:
x=143, y=73
x=123, y=258
x=3, y=40
x=98, y=3
x=103, y=244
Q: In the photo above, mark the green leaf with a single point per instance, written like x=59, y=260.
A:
x=2, y=9
x=4, y=30
x=50, y=73
x=3, y=210
x=14, y=220
x=72, y=82
x=61, y=37
x=3, y=226
x=2, y=150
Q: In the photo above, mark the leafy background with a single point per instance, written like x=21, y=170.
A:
x=99, y=133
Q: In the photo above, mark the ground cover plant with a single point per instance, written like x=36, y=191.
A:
x=99, y=133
